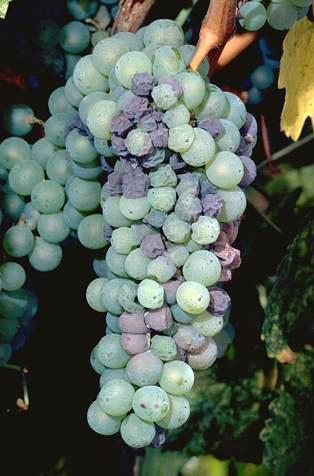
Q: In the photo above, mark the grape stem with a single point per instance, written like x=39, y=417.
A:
x=185, y=13
x=217, y=27
x=131, y=14
x=34, y=120
x=95, y=23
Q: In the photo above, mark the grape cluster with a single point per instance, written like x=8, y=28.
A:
x=172, y=206
x=280, y=14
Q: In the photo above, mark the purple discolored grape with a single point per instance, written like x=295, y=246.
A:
x=142, y=84
x=118, y=146
x=155, y=158
x=148, y=124
x=189, y=339
x=159, y=136
x=245, y=148
x=212, y=204
x=152, y=245
x=108, y=232
x=121, y=125
x=133, y=323
x=189, y=184
x=114, y=184
x=171, y=290
x=155, y=218
x=105, y=165
x=135, y=184
x=159, y=319
x=249, y=171
x=219, y=301
x=249, y=130
x=136, y=109
x=176, y=163
x=135, y=343
x=173, y=82
x=211, y=125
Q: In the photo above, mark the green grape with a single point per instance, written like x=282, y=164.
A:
x=110, y=296
x=133, y=41
x=54, y=129
x=178, y=414
x=102, y=146
x=163, y=176
x=188, y=208
x=301, y=3
x=88, y=102
x=207, y=324
x=79, y=147
x=115, y=397
x=111, y=374
x=99, y=118
x=107, y=52
x=91, y=232
x=45, y=256
x=187, y=52
x=201, y=151
x=18, y=241
x=164, y=96
x=123, y=240
x=176, y=230
x=130, y=63
x=177, y=378
x=24, y=176
x=84, y=195
x=136, y=432
x=8, y=328
x=162, y=199
x=5, y=353
x=151, y=403
x=112, y=322
x=102, y=423
x=12, y=276
x=89, y=171
x=18, y=119
x=74, y=37
x=86, y=77
x=13, y=304
x=202, y=267
x=128, y=297
x=193, y=88
x=237, y=110
x=229, y=139
x=57, y=101
x=215, y=104
x=48, y=196
x=176, y=116
x=30, y=216
x=134, y=208
x=136, y=264
x=112, y=213
x=180, y=316
x=234, y=204
x=205, y=230
x=161, y=269
x=13, y=150
x=181, y=138
x=140, y=32
x=95, y=364
x=252, y=15
x=116, y=263
x=163, y=347
x=150, y=294
x=138, y=142
x=12, y=205
x=110, y=353
x=94, y=294
x=144, y=369
x=192, y=297
x=52, y=227
x=226, y=170
x=58, y=167
x=42, y=150
x=281, y=16
x=71, y=92
x=167, y=61
x=164, y=32
x=72, y=216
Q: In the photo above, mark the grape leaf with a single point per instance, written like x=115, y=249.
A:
x=296, y=76
x=4, y=5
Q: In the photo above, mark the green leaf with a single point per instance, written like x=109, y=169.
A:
x=4, y=5
x=292, y=296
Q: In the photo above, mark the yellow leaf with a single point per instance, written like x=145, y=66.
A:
x=297, y=77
